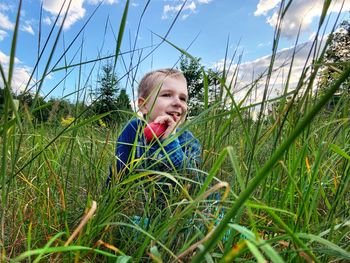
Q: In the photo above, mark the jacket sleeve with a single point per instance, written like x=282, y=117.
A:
x=128, y=148
x=127, y=145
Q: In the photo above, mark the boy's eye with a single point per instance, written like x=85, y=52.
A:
x=166, y=94
x=183, y=99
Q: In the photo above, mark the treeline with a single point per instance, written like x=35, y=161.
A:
x=109, y=99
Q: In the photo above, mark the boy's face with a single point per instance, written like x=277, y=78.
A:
x=171, y=100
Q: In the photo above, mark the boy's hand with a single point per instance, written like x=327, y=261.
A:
x=171, y=121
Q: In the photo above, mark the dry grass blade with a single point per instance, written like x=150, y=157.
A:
x=82, y=223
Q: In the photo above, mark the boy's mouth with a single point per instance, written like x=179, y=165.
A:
x=175, y=115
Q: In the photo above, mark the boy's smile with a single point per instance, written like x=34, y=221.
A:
x=171, y=100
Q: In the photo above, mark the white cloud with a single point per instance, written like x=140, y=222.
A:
x=5, y=22
x=264, y=6
x=27, y=27
x=111, y=2
x=183, y=17
x=4, y=59
x=204, y=1
x=94, y=2
x=251, y=71
x=5, y=7
x=20, y=73
x=47, y=21
x=75, y=13
x=264, y=44
x=189, y=8
x=3, y=34
x=301, y=13
x=175, y=9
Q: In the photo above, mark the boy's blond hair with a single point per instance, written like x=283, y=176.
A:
x=156, y=78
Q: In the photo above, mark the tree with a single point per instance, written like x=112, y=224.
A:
x=26, y=99
x=192, y=71
x=106, y=95
x=336, y=57
x=215, y=89
x=3, y=95
x=40, y=113
x=123, y=103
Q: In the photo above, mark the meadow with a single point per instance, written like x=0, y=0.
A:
x=282, y=180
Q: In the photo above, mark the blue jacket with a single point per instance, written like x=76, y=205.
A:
x=179, y=151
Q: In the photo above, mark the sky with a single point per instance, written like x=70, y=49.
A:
x=205, y=28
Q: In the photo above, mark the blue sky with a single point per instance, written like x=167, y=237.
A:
x=215, y=23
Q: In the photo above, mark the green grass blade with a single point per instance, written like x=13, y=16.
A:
x=339, y=151
x=13, y=46
x=255, y=251
x=51, y=250
x=48, y=244
x=339, y=252
x=206, y=88
x=213, y=171
x=121, y=33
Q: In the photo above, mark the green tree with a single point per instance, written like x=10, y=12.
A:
x=3, y=95
x=106, y=95
x=26, y=99
x=191, y=69
x=41, y=111
x=215, y=89
x=3, y=101
x=337, y=57
x=123, y=103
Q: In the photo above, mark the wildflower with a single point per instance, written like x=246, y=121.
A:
x=67, y=121
x=308, y=167
x=101, y=123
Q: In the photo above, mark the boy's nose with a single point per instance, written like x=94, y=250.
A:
x=177, y=102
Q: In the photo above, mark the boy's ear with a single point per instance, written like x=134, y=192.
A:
x=141, y=105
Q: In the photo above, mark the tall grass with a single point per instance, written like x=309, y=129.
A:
x=283, y=179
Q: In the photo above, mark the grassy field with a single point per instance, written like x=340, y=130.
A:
x=283, y=181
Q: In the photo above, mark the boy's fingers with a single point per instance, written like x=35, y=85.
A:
x=171, y=129
x=164, y=119
x=159, y=120
x=170, y=122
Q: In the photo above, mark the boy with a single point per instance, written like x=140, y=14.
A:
x=162, y=98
